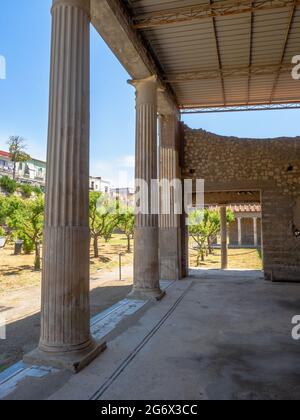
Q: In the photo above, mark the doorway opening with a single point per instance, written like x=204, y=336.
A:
x=242, y=246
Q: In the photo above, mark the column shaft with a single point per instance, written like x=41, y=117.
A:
x=255, y=231
x=65, y=324
x=239, y=231
x=146, y=236
x=170, y=183
x=224, y=242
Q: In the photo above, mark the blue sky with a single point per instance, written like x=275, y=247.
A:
x=25, y=44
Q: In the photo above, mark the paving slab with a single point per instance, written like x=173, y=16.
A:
x=212, y=337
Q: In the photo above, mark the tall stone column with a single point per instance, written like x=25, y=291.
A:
x=255, y=231
x=239, y=231
x=224, y=242
x=65, y=325
x=170, y=183
x=146, y=235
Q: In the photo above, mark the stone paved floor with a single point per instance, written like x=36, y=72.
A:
x=215, y=335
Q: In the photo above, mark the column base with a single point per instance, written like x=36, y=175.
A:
x=73, y=361
x=147, y=294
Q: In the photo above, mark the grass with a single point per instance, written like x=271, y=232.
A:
x=241, y=258
x=17, y=271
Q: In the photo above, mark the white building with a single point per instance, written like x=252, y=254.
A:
x=32, y=171
x=99, y=185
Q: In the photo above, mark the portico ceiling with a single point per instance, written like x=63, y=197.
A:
x=219, y=54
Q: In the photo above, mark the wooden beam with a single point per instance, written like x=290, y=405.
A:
x=219, y=58
x=285, y=42
x=250, y=51
x=112, y=21
x=188, y=14
x=244, y=71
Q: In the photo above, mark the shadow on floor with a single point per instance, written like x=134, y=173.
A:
x=23, y=335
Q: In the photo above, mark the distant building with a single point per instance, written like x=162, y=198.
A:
x=31, y=172
x=6, y=166
x=99, y=185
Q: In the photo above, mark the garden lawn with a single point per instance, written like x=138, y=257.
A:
x=16, y=271
x=240, y=258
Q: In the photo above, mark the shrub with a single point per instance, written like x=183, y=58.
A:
x=26, y=190
x=8, y=184
x=37, y=190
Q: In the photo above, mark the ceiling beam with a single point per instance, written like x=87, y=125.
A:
x=239, y=108
x=204, y=11
x=285, y=43
x=244, y=71
x=218, y=53
x=251, y=22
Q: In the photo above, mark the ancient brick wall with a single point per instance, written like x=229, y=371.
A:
x=271, y=166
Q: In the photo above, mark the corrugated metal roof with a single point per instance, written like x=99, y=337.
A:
x=197, y=55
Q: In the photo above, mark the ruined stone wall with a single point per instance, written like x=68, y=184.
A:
x=271, y=166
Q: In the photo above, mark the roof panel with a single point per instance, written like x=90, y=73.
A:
x=237, y=39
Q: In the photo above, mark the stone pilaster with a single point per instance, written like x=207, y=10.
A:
x=65, y=325
x=224, y=241
x=146, y=239
x=169, y=221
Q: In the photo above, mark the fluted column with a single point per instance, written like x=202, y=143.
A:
x=65, y=325
x=224, y=241
x=255, y=231
x=146, y=241
x=170, y=183
x=239, y=231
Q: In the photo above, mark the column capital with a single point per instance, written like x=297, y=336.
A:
x=140, y=82
x=146, y=91
x=85, y=5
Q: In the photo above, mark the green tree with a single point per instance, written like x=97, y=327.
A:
x=199, y=233
x=17, y=152
x=104, y=218
x=8, y=206
x=204, y=226
x=27, y=221
x=2, y=211
x=126, y=224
